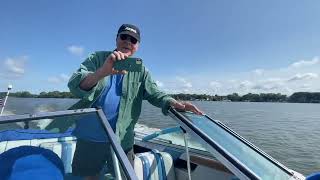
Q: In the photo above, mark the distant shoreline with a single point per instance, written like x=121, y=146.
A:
x=297, y=97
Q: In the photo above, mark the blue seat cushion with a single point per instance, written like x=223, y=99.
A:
x=315, y=176
x=29, y=162
x=28, y=134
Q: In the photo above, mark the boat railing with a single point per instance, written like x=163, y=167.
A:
x=240, y=156
x=119, y=154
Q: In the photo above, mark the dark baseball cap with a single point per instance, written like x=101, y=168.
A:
x=129, y=29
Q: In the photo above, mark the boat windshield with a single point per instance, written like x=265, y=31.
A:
x=240, y=156
x=51, y=129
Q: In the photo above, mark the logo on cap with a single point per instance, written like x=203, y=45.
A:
x=130, y=29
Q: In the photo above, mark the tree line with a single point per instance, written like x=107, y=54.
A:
x=297, y=97
x=52, y=94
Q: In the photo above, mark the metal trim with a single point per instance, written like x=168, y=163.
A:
x=128, y=170
x=43, y=115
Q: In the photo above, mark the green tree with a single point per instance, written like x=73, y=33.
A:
x=234, y=97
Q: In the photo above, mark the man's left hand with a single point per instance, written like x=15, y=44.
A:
x=186, y=106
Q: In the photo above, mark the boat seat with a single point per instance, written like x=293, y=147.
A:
x=29, y=162
x=315, y=176
x=154, y=165
x=64, y=149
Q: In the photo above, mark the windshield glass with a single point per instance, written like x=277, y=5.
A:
x=236, y=149
x=152, y=121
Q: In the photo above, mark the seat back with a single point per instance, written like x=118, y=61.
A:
x=315, y=176
x=64, y=149
x=154, y=165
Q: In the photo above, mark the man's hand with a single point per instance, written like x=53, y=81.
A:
x=107, y=68
x=186, y=106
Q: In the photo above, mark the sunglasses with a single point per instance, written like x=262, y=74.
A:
x=124, y=37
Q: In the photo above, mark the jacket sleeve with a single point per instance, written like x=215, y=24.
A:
x=154, y=95
x=87, y=67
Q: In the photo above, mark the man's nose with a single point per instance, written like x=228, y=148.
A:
x=128, y=40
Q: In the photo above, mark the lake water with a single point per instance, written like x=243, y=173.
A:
x=289, y=132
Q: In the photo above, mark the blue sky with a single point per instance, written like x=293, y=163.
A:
x=212, y=47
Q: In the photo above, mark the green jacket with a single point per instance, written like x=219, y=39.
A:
x=136, y=86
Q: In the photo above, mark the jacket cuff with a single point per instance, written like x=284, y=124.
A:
x=167, y=104
x=77, y=91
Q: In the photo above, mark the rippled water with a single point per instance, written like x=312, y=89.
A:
x=288, y=132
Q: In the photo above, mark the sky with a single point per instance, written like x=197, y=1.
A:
x=203, y=47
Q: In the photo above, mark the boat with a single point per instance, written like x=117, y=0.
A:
x=223, y=154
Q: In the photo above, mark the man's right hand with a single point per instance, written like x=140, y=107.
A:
x=107, y=68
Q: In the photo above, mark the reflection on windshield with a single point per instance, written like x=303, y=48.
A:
x=177, y=139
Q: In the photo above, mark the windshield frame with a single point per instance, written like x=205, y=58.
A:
x=232, y=163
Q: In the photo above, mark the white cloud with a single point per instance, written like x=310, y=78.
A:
x=62, y=78
x=76, y=50
x=186, y=91
x=16, y=65
x=260, y=80
x=305, y=86
x=266, y=87
x=245, y=84
x=258, y=71
x=303, y=63
x=160, y=84
x=215, y=84
x=306, y=76
x=232, y=81
x=181, y=79
x=272, y=80
x=214, y=87
x=184, y=82
x=55, y=80
x=13, y=67
x=188, y=85
x=176, y=85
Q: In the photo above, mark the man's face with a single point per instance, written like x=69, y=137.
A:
x=127, y=44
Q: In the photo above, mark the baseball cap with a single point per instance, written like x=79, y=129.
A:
x=131, y=30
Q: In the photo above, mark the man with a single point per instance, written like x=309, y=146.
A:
x=120, y=95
